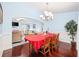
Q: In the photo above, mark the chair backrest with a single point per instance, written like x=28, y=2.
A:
x=47, y=40
x=55, y=38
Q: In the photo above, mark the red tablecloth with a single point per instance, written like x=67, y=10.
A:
x=37, y=40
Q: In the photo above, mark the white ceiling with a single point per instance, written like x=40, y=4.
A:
x=56, y=6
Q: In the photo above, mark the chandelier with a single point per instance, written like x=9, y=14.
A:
x=47, y=14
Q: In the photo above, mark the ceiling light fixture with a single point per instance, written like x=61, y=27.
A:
x=47, y=14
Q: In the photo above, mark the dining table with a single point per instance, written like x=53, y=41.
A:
x=37, y=40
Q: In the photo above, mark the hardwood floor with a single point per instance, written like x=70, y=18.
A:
x=23, y=51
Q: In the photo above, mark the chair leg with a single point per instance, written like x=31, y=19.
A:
x=49, y=53
x=29, y=49
x=52, y=50
x=57, y=48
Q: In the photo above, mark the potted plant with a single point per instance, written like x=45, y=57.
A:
x=71, y=28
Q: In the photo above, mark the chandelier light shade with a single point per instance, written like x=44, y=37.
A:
x=47, y=14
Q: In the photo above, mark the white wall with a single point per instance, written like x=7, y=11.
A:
x=78, y=36
x=1, y=46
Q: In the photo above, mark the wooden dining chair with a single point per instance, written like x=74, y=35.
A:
x=45, y=48
x=54, y=43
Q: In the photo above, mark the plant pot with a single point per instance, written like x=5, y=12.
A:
x=73, y=45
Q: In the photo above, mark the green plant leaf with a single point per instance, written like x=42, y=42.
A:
x=71, y=28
